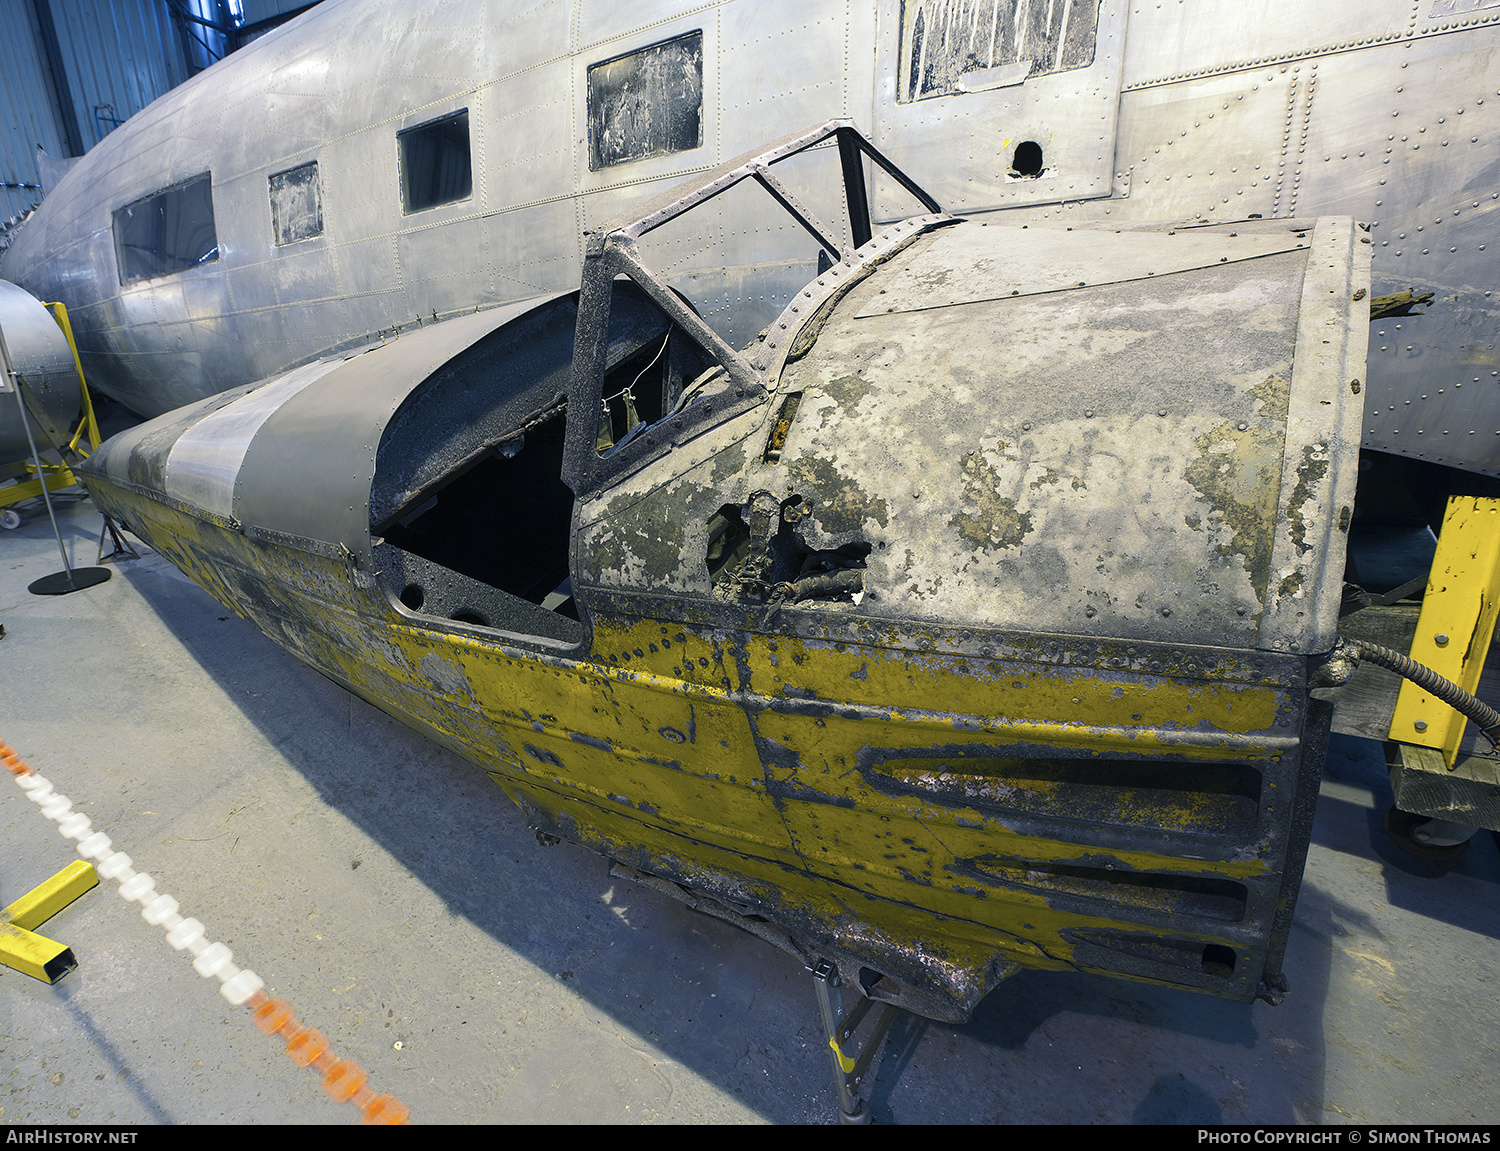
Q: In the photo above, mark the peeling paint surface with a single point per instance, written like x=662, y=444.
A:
x=952, y=46
x=1112, y=452
x=1028, y=719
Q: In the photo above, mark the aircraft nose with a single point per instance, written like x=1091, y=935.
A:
x=193, y=459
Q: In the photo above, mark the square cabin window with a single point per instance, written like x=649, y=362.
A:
x=435, y=165
x=168, y=231
x=296, y=204
x=949, y=48
x=646, y=103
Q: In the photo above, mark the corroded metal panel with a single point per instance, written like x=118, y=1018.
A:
x=1118, y=468
x=1316, y=501
x=1033, y=261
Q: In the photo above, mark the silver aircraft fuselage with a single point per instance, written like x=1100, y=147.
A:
x=574, y=110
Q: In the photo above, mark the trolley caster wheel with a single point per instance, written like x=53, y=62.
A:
x=10, y=519
x=1409, y=832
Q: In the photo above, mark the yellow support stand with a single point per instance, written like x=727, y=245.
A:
x=1456, y=625
x=36, y=955
x=88, y=426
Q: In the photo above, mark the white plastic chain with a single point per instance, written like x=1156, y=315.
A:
x=210, y=960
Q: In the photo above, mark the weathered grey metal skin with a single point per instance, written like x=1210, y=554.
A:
x=1384, y=110
x=1132, y=480
x=39, y=352
x=1388, y=111
x=991, y=650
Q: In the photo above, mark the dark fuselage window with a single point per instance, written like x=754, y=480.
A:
x=168, y=231
x=435, y=164
x=646, y=103
x=296, y=204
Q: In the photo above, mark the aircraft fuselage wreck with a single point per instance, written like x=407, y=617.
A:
x=964, y=621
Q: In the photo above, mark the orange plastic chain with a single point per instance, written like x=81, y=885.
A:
x=13, y=762
x=344, y=1080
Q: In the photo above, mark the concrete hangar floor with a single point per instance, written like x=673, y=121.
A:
x=396, y=898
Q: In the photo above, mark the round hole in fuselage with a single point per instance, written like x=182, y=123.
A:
x=1028, y=159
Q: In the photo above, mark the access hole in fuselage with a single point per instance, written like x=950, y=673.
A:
x=1028, y=159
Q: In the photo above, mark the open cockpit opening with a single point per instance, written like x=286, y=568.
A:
x=470, y=518
x=489, y=547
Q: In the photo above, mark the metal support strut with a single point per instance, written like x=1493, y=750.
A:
x=848, y=1073
x=122, y=549
x=20, y=946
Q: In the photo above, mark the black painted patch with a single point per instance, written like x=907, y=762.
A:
x=646, y=103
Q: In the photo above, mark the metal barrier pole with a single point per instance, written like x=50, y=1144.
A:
x=71, y=581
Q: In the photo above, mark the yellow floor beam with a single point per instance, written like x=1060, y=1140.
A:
x=29, y=489
x=22, y=948
x=1456, y=625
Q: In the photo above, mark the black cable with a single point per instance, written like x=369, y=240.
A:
x=1485, y=717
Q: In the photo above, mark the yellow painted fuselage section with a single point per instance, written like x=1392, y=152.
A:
x=939, y=806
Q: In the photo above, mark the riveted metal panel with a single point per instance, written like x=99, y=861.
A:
x=1428, y=186
x=1171, y=42
x=1386, y=112
x=1131, y=481
x=1033, y=262
x=1316, y=500
x=1069, y=114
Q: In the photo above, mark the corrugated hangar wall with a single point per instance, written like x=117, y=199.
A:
x=71, y=70
x=30, y=111
x=114, y=56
